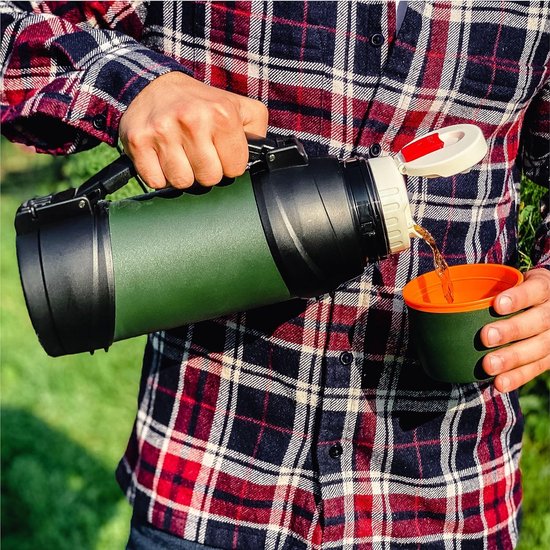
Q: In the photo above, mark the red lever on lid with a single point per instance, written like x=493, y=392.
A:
x=442, y=153
x=421, y=147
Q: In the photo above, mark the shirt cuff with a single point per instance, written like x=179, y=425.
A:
x=84, y=107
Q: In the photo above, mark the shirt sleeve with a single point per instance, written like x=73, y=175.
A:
x=535, y=160
x=70, y=70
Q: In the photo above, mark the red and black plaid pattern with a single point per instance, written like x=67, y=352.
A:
x=310, y=424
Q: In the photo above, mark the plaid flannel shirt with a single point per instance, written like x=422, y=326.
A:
x=310, y=424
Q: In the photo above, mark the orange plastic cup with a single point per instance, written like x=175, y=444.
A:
x=446, y=335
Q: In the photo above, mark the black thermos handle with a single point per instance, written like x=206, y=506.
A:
x=121, y=170
x=109, y=179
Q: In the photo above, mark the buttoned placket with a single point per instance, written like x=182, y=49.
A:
x=338, y=364
x=341, y=392
x=339, y=375
x=342, y=374
x=373, y=139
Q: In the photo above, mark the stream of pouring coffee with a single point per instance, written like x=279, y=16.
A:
x=441, y=267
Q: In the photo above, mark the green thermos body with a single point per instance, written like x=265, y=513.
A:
x=96, y=271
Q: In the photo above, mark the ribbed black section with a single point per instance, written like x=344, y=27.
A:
x=367, y=209
x=67, y=277
x=312, y=217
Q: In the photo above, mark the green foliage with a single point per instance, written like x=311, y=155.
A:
x=55, y=493
x=78, y=168
x=65, y=421
x=535, y=464
x=535, y=404
x=529, y=219
x=27, y=175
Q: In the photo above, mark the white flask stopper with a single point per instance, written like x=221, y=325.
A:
x=441, y=153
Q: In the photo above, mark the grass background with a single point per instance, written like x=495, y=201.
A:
x=65, y=421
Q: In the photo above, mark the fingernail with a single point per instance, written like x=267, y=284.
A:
x=505, y=304
x=493, y=336
x=496, y=364
x=504, y=383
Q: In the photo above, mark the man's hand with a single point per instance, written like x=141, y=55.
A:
x=178, y=130
x=529, y=355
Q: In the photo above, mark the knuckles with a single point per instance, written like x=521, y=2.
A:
x=545, y=316
x=153, y=183
x=218, y=115
x=162, y=128
x=261, y=112
x=235, y=171
x=192, y=115
x=134, y=138
x=181, y=182
x=511, y=330
x=206, y=172
x=234, y=162
x=225, y=110
x=188, y=118
x=209, y=179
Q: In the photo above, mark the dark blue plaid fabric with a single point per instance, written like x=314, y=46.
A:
x=310, y=424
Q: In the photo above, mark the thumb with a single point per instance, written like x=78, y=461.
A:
x=254, y=116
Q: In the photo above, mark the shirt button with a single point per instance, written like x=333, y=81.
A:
x=335, y=451
x=375, y=150
x=346, y=358
x=99, y=122
x=377, y=40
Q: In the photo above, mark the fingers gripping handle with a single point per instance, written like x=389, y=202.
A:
x=442, y=153
x=272, y=153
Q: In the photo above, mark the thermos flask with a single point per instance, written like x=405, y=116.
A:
x=95, y=271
